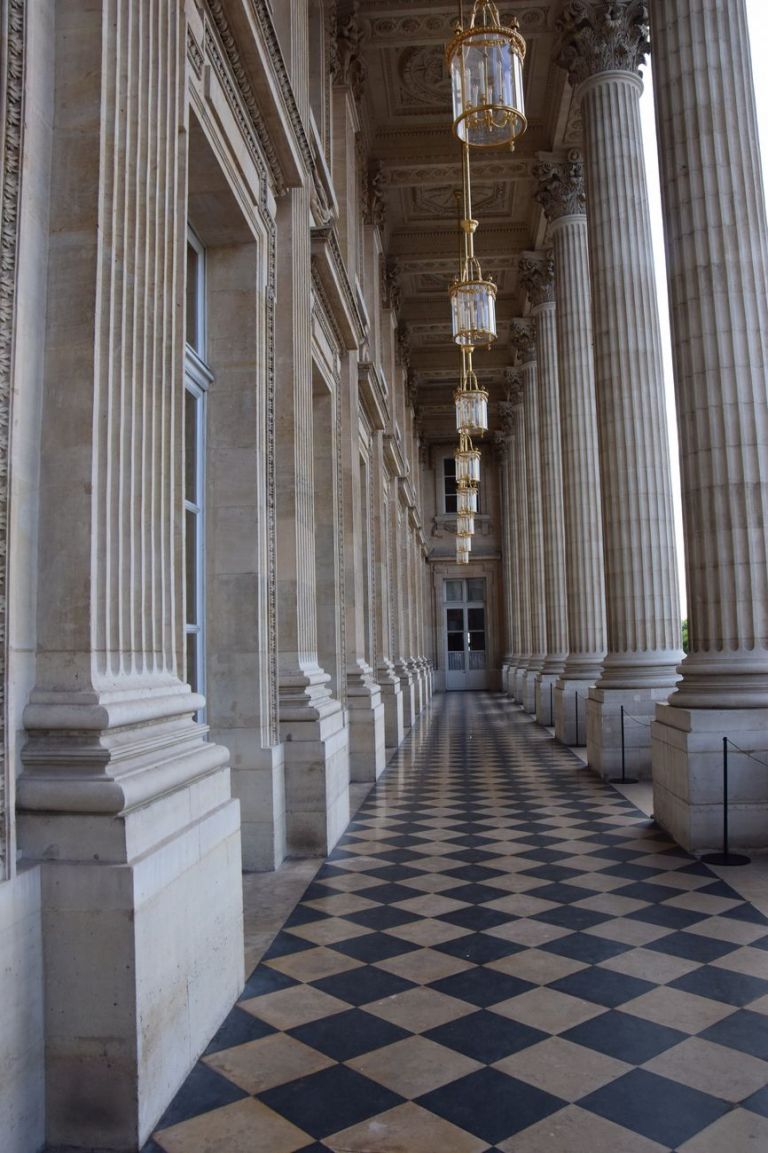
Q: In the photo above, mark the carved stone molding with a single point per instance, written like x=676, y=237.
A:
x=522, y=337
x=602, y=36
x=390, y=283
x=12, y=25
x=348, y=64
x=373, y=204
x=507, y=411
x=560, y=189
x=536, y=273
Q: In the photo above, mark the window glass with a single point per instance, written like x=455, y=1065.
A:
x=476, y=589
x=475, y=618
x=449, y=483
x=454, y=590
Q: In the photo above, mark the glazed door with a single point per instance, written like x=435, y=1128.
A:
x=465, y=639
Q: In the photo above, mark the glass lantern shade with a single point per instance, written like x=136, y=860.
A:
x=467, y=466
x=465, y=524
x=473, y=312
x=486, y=66
x=471, y=410
x=466, y=500
x=463, y=549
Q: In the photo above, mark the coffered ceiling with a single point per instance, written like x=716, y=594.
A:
x=407, y=119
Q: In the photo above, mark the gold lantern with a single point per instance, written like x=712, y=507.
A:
x=486, y=66
x=471, y=400
x=466, y=499
x=473, y=296
x=467, y=462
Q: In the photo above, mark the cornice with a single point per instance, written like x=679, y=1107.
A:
x=328, y=264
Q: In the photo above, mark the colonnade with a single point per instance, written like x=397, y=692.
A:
x=594, y=598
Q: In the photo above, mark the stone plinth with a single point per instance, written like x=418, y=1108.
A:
x=688, y=776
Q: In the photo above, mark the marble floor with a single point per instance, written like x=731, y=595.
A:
x=502, y=953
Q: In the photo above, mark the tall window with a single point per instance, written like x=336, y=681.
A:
x=449, y=483
x=197, y=378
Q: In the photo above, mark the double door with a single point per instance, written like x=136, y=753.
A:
x=465, y=634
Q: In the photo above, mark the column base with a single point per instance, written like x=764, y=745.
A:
x=316, y=741
x=128, y=811
x=604, y=729
x=367, y=741
x=517, y=683
x=418, y=684
x=408, y=689
x=258, y=782
x=687, y=749
x=392, y=699
x=571, y=712
x=545, y=698
x=528, y=689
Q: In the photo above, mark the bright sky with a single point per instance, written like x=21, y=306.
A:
x=757, y=15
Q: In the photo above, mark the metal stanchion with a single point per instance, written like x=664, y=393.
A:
x=623, y=779
x=551, y=703
x=576, y=717
x=726, y=857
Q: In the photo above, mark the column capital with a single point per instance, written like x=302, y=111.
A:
x=560, y=188
x=522, y=338
x=513, y=381
x=536, y=274
x=507, y=414
x=598, y=36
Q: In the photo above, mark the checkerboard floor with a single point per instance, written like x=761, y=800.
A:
x=502, y=953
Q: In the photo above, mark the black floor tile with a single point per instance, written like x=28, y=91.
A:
x=348, y=1034
x=743, y=1030
x=476, y=918
x=490, y=1104
x=722, y=985
x=625, y=1037
x=330, y=1100
x=692, y=946
x=602, y=986
x=479, y=948
x=481, y=986
x=374, y=947
x=238, y=1028
x=361, y=986
x=486, y=1037
x=668, y=916
x=202, y=1091
x=659, y=1109
x=569, y=917
x=382, y=917
x=758, y=1102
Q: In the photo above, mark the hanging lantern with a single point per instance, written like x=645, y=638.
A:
x=465, y=524
x=486, y=66
x=463, y=549
x=467, y=462
x=473, y=299
x=466, y=500
x=471, y=401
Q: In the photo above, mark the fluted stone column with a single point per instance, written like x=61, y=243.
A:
x=523, y=339
x=521, y=561
x=561, y=193
x=602, y=44
x=717, y=246
x=511, y=598
x=537, y=275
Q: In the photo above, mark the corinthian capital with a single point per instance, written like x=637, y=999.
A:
x=602, y=36
x=523, y=340
x=536, y=273
x=507, y=413
x=560, y=186
x=513, y=382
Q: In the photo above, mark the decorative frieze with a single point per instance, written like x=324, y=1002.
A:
x=602, y=36
x=560, y=186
